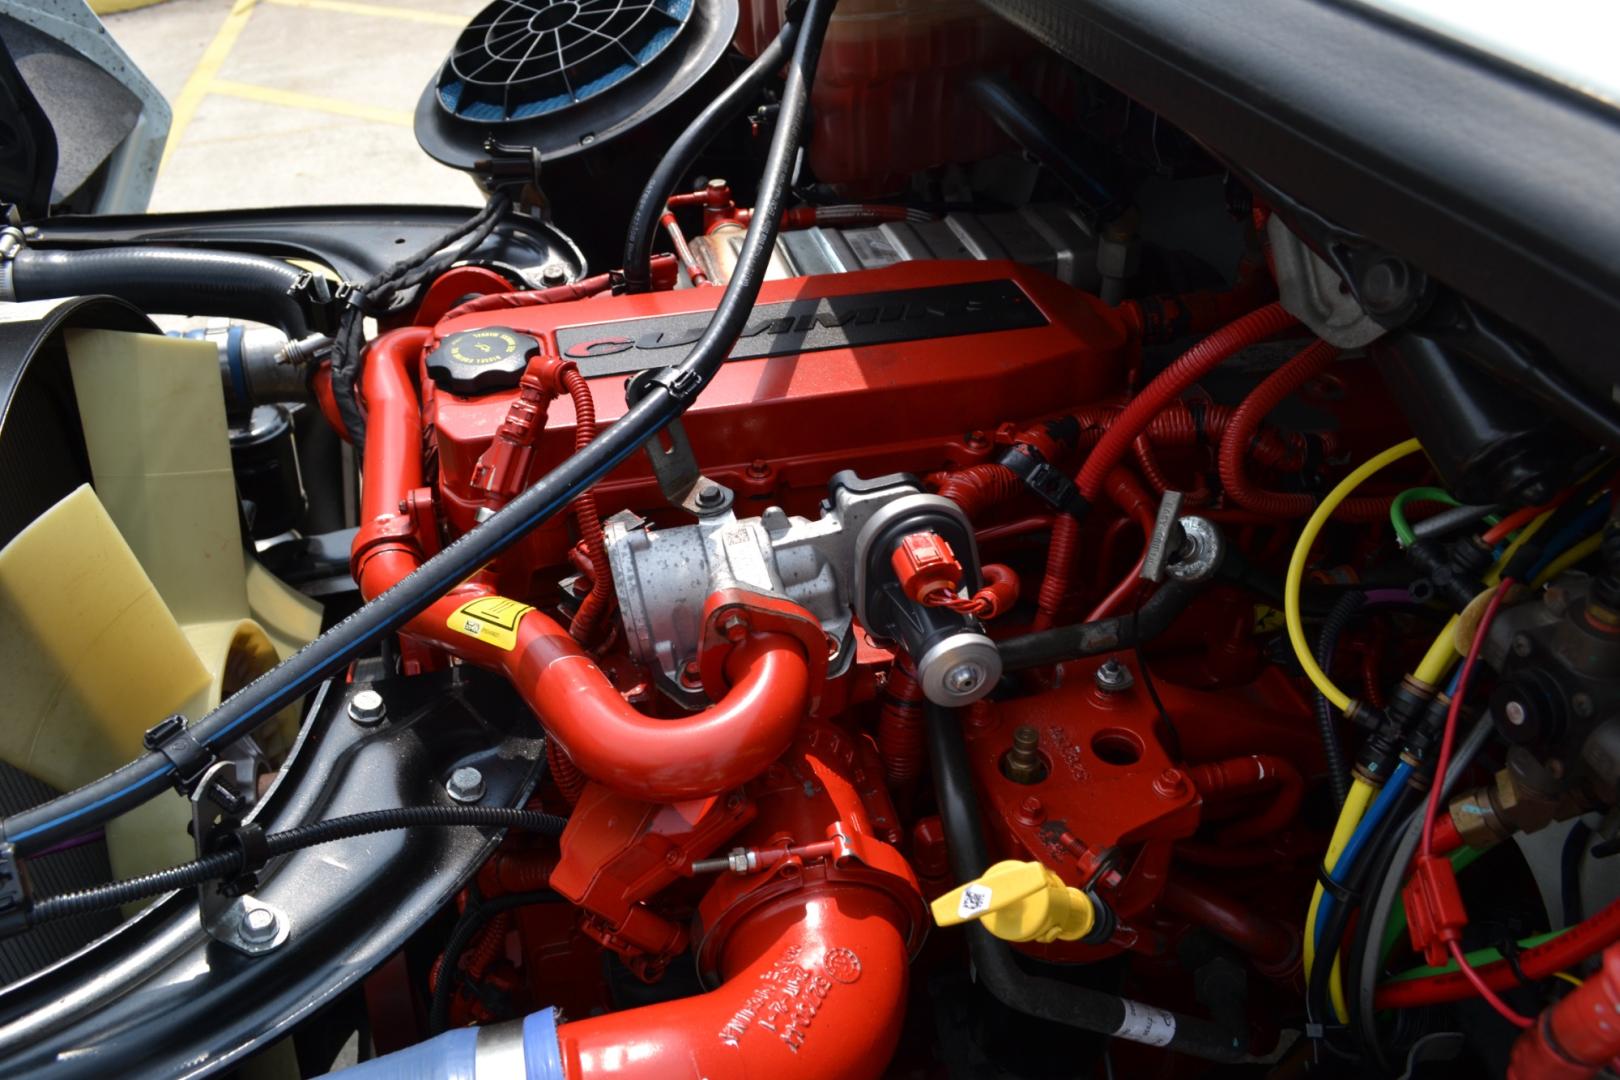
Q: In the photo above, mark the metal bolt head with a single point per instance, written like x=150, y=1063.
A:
x=1522, y=646
x=1581, y=703
x=964, y=678
x=259, y=926
x=1515, y=713
x=466, y=785
x=710, y=495
x=1170, y=784
x=1113, y=677
x=734, y=626
x=367, y=708
x=554, y=273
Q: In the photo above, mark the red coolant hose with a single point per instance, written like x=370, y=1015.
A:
x=1247, y=775
x=665, y=760
x=1304, y=366
x=587, y=621
x=1539, y=962
x=1191, y=366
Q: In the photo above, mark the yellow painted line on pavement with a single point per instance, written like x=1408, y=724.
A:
x=198, y=82
x=292, y=99
x=350, y=7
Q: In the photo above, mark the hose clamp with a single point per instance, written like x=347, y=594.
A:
x=11, y=242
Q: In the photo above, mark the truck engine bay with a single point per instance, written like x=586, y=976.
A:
x=884, y=547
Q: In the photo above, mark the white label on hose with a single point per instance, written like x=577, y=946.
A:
x=1145, y=1024
x=975, y=900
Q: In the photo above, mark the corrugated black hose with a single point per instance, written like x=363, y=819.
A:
x=1327, y=641
x=231, y=862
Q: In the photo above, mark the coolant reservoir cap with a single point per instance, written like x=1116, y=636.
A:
x=481, y=361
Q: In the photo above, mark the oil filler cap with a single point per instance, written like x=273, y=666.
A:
x=481, y=361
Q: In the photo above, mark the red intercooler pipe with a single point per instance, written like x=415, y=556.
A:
x=816, y=988
x=654, y=760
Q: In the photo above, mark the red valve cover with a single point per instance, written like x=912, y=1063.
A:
x=903, y=369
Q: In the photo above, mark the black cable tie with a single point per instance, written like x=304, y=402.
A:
x=189, y=758
x=1510, y=956
x=1343, y=894
x=681, y=384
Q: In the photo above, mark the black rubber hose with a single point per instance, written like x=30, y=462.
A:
x=1029, y=124
x=1327, y=642
x=479, y=911
x=170, y=281
x=993, y=962
x=675, y=390
x=638, y=241
x=229, y=863
x=1103, y=635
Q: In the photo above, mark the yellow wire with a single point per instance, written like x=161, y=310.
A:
x=1355, y=805
x=1441, y=655
x=1568, y=559
x=1512, y=549
x=1302, y=552
x=1567, y=977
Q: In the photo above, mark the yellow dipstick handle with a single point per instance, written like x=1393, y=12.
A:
x=1019, y=901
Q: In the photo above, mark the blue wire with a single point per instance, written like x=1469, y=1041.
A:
x=1570, y=535
x=1387, y=798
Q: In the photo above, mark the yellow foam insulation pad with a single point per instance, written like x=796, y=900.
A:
x=92, y=657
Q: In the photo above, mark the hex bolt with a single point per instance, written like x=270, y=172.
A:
x=1522, y=646
x=554, y=273
x=710, y=496
x=1581, y=703
x=367, y=708
x=1514, y=711
x=259, y=926
x=466, y=785
x=963, y=679
x=1170, y=784
x=1114, y=677
x=734, y=626
x=1031, y=812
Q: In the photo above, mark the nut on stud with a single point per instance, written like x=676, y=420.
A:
x=1114, y=677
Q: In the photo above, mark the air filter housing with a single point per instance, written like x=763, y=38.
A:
x=599, y=87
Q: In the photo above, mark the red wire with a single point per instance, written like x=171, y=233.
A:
x=1524, y=516
x=1506, y=1011
x=1441, y=765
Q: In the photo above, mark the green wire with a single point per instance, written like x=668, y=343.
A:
x=1477, y=958
x=1397, y=509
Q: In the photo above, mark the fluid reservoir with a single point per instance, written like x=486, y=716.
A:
x=889, y=95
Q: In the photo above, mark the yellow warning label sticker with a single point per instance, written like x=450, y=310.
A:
x=491, y=619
